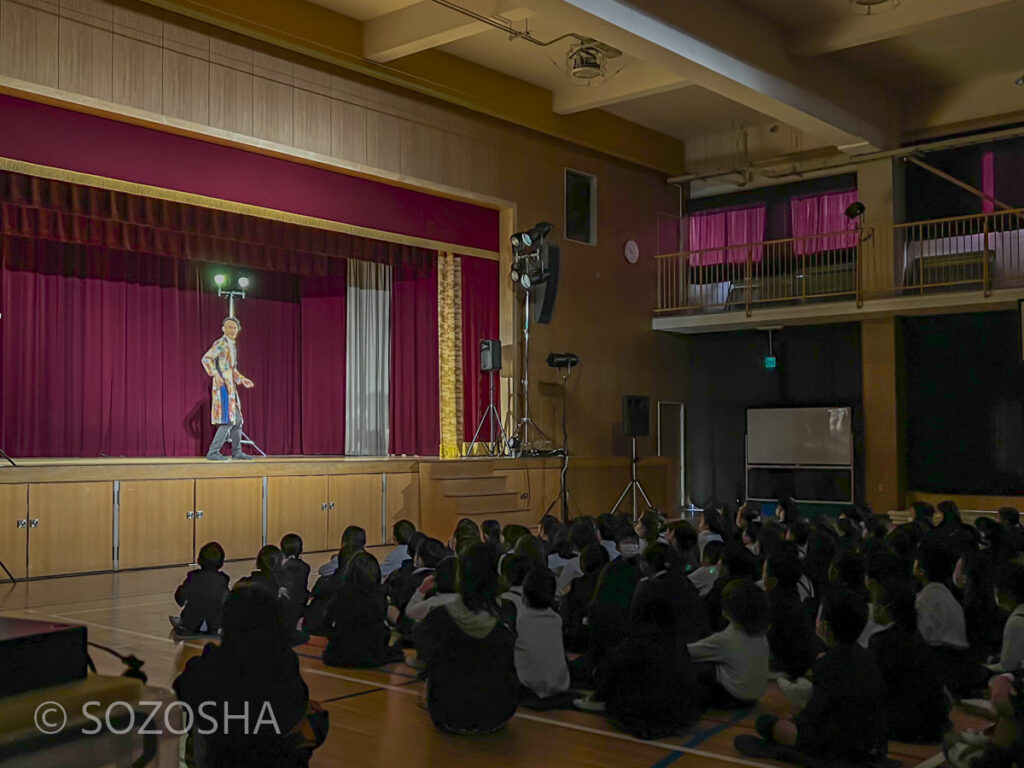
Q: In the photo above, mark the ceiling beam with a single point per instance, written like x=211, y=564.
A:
x=632, y=82
x=429, y=25
x=721, y=47
x=853, y=30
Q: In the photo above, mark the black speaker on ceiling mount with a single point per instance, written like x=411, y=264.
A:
x=490, y=355
x=636, y=415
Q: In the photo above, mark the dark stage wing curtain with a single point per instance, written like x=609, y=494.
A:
x=479, y=321
x=323, y=364
x=414, y=395
x=101, y=354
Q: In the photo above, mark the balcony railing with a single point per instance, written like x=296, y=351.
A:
x=982, y=252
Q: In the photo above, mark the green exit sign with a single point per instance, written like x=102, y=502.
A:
x=771, y=362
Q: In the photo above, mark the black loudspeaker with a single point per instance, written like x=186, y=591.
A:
x=636, y=415
x=490, y=355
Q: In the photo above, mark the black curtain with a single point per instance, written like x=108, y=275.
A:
x=817, y=366
x=964, y=403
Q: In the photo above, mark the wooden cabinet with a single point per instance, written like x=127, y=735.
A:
x=402, y=501
x=71, y=528
x=14, y=530
x=299, y=505
x=355, y=500
x=230, y=511
x=156, y=523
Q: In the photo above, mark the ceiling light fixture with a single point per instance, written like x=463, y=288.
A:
x=873, y=7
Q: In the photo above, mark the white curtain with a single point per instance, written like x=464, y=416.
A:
x=367, y=358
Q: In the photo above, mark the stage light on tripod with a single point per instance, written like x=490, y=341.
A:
x=514, y=274
x=219, y=280
x=525, y=281
x=243, y=283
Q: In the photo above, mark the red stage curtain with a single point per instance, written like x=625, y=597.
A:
x=414, y=395
x=479, y=321
x=99, y=354
x=74, y=214
x=323, y=365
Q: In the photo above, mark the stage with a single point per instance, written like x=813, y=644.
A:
x=65, y=516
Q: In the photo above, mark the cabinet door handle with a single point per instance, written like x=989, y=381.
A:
x=199, y=514
x=323, y=507
x=190, y=515
x=33, y=523
x=331, y=505
x=21, y=524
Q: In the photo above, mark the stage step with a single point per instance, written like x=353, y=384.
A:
x=471, y=468
x=498, y=502
x=474, y=486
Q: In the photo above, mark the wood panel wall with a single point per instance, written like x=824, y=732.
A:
x=131, y=56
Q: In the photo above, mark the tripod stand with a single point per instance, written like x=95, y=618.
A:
x=521, y=436
x=246, y=440
x=7, y=458
x=634, y=486
x=563, y=493
x=491, y=417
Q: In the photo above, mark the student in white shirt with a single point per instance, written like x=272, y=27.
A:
x=736, y=675
x=704, y=577
x=940, y=618
x=709, y=528
x=514, y=568
x=400, y=532
x=540, y=653
x=436, y=590
x=1009, y=591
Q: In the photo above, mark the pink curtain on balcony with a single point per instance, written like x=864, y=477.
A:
x=707, y=231
x=822, y=214
x=988, y=181
x=744, y=226
x=711, y=231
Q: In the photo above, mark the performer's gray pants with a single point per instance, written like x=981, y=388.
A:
x=224, y=431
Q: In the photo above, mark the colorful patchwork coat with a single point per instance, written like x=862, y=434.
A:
x=222, y=359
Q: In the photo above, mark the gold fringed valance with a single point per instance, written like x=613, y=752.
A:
x=449, y=315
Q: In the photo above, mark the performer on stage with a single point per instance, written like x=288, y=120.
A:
x=221, y=363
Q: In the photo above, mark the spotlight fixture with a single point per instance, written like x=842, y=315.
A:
x=855, y=210
x=243, y=283
x=219, y=280
x=523, y=242
x=872, y=7
x=525, y=281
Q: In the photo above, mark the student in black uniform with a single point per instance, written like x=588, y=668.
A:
x=917, y=709
x=843, y=721
x=791, y=637
x=294, y=577
x=356, y=622
x=576, y=604
x=202, y=593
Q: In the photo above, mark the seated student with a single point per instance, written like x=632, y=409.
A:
x=683, y=536
x=663, y=579
x=845, y=718
x=267, y=576
x=353, y=539
x=576, y=604
x=607, y=530
x=581, y=535
x=434, y=591
x=880, y=566
x=704, y=578
x=202, y=593
x=646, y=685
x=393, y=582
x=400, y=532
x=491, y=532
x=555, y=538
x=511, y=534
x=429, y=553
x=251, y=670
x=648, y=529
x=294, y=578
x=540, y=654
x=732, y=665
x=1013, y=533
x=974, y=576
x=709, y=528
x=608, y=615
x=750, y=536
x=356, y=620
x=917, y=709
x=466, y=533
x=1009, y=592
x=469, y=653
x=514, y=569
x=736, y=563
x=791, y=637
x=940, y=618
x=847, y=572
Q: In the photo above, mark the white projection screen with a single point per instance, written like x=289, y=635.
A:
x=805, y=436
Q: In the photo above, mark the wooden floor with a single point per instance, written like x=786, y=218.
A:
x=375, y=720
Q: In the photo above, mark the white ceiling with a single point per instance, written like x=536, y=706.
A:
x=364, y=10
x=688, y=113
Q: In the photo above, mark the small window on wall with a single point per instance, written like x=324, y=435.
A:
x=580, y=207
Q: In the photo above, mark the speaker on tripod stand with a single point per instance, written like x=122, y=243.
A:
x=636, y=422
x=490, y=363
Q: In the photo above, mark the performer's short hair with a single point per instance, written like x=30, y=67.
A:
x=231, y=320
